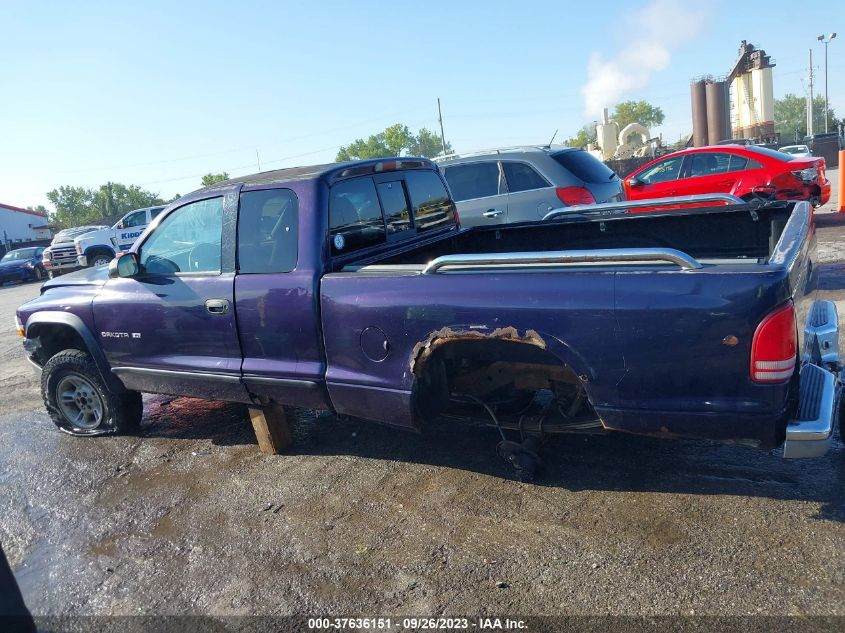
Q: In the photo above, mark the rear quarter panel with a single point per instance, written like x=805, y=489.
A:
x=572, y=313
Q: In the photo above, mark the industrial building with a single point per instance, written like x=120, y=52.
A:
x=740, y=105
x=22, y=225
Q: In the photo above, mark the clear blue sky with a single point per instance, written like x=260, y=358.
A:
x=159, y=93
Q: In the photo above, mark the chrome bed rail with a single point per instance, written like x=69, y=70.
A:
x=640, y=204
x=553, y=258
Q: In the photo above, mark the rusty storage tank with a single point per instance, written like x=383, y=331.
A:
x=699, y=113
x=717, y=112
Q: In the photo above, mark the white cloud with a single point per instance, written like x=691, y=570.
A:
x=653, y=32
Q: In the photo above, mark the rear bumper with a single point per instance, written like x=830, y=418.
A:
x=824, y=192
x=810, y=433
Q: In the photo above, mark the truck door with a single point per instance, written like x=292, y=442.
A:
x=171, y=328
x=276, y=299
x=130, y=228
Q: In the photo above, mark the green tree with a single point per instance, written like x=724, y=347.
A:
x=112, y=200
x=210, y=178
x=77, y=206
x=73, y=205
x=40, y=209
x=791, y=117
x=428, y=144
x=642, y=112
x=393, y=141
x=583, y=137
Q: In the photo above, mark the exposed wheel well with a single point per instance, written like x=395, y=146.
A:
x=98, y=250
x=504, y=373
x=54, y=338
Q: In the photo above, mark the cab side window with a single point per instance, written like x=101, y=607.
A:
x=355, y=219
x=188, y=240
x=268, y=230
x=135, y=219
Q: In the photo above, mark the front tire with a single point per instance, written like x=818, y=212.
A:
x=100, y=259
x=38, y=273
x=79, y=402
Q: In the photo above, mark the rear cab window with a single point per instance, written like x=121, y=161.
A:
x=371, y=210
x=355, y=217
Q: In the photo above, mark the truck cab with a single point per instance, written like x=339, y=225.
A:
x=97, y=248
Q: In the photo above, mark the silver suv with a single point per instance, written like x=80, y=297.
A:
x=520, y=184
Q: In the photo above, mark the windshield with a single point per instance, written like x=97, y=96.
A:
x=771, y=153
x=20, y=254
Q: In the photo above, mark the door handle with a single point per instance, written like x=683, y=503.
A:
x=217, y=306
x=492, y=213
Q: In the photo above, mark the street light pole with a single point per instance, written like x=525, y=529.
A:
x=825, y=41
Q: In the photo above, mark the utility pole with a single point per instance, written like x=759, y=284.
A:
x=824, y=41
x=810, y=97
x=258, y=159
x=440, y=117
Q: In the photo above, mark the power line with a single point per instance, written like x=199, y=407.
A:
x=251, y=165
x=239, y=149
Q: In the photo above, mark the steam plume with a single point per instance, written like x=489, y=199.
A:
x=655, y=31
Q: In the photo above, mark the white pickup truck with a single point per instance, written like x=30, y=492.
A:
x=98, y=248
x=60, y=257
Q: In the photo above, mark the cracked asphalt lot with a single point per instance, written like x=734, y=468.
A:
x=189, y=517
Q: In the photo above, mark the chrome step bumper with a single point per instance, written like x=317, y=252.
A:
x=810, y=434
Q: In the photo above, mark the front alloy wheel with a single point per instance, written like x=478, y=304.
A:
x=80, y=404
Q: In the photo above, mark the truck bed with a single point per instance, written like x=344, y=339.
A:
x=724, y=234
x=654, y=315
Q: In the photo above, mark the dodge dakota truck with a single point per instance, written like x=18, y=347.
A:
x=351, y=287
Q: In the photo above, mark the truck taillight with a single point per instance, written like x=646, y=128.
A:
x=571, y=196
x=775, y=346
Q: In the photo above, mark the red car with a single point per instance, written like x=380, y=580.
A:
x=742, y=170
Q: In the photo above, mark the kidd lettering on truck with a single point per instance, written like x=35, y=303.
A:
x=351, y=287
x=97, y=248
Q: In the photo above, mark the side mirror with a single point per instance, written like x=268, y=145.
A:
x=124, y=265
x=633, y=181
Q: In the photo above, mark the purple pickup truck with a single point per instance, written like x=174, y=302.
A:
x=352, y=287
